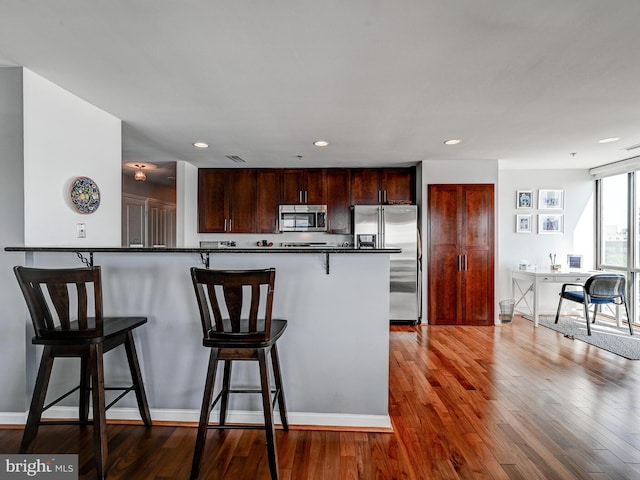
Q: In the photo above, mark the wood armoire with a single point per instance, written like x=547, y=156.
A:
x=461, y=254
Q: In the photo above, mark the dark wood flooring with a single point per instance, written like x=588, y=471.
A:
x=510, y=402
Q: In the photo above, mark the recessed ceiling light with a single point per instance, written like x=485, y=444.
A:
x=609, y=140
x=321, y=143
x=453, y=141
x=201, y=145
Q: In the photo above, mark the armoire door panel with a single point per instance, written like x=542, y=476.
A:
x=477, y=227
x=478, y=287
x=443, y=217
x=442, y=284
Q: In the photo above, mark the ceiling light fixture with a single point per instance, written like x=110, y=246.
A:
x=140, y=176
x=453, y=141
x=201, y=145
x=609, y=140
x=321, y=143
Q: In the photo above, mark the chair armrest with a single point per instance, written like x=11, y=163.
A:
x=565, y=285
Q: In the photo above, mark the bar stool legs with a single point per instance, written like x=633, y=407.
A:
x=267, y=404
x=37, y=400
x=268, y=414
x=207, y=400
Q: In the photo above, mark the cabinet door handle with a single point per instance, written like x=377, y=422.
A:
x=466, y=265
x=379, y=196
x=230, y=225
x=384, y=196
x=299, y=196
x=459, y=259
x=225, y=224
x=306, y=197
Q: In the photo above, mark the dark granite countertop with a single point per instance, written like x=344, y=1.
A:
x=204, y=250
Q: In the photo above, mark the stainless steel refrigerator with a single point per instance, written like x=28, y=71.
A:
x=394, y=226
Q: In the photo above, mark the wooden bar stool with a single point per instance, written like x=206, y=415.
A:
x=86, y=337
x=234, y=336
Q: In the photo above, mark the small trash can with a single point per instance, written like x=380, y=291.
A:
x=506, y=310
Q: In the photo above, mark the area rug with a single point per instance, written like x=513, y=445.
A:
x=604, y=335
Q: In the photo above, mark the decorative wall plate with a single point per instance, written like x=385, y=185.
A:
x=84, y=195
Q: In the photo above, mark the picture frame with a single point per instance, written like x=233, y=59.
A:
x=574, y=262
x=550, y=223
x=524, y=199
x=523, y=223
x=551, y=199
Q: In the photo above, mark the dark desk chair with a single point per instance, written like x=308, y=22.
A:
x=64, y=334
x=237, y=335
x=597, y=290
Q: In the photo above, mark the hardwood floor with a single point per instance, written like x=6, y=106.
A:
x=510, y=402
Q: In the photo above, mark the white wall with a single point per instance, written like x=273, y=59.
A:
x=12, y=320
x=579, y=226
x=186, y=204
x=66, y=137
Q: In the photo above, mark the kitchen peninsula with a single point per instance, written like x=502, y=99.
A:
x=334, y=353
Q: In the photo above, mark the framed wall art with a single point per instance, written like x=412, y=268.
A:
x=551, y=200
x=574, y=261
x=550, y=223
x=523, y=223
x=524, y=199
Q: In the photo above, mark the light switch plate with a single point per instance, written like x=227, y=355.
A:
x=82, y=230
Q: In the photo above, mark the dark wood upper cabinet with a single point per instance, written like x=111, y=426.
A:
x=399, y=185
x=268, y=200
x=242, y=201
x=374, y=186
x=226, y=200
x=212, y=200
x=305, y=186
x=247, y=200
x=339, y=200
x=365, y=186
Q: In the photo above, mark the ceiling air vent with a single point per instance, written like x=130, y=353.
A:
x=235, y=158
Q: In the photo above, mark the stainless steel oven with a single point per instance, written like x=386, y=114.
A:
x=302, y=218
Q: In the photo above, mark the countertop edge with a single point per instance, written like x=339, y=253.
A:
x=205, y=250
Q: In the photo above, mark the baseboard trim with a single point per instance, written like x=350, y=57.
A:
x=13, y=418
x=185, y=417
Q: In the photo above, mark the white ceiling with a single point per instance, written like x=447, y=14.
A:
x=528, y=82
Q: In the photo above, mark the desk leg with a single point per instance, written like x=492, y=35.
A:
x=536, y=316
x=522, y=294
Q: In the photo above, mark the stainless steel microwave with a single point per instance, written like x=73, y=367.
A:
x=302, y=218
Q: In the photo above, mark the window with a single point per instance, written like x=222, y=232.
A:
x=613, y=221
x=614, y=251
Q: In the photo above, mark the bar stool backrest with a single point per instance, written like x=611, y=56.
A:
x=58, y=301
x=235, y=305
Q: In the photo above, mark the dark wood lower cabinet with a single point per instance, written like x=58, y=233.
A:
x=461, y=254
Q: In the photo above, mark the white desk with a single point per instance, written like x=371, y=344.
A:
x=524, y=281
